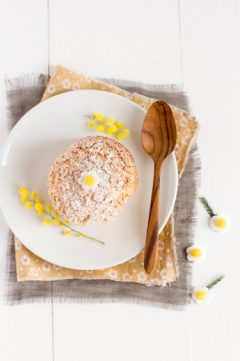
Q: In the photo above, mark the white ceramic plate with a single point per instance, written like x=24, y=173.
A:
x=38, y=139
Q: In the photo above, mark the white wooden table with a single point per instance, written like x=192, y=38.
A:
x=192, y=42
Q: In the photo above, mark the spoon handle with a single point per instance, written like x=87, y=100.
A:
x=151, y=246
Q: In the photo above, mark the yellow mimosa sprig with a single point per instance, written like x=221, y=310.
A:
x=107, y=125
x=31, y=201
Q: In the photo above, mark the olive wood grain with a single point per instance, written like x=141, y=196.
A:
x=158, y=140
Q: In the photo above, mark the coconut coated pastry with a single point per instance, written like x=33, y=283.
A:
x=91, y=182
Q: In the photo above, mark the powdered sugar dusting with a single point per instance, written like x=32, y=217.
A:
x=117, y=180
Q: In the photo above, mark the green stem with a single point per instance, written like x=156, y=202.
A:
x=69, y=227
x=75, y=231
x=207, y=207
x=214, y=282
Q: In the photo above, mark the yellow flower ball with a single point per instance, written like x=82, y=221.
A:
x=56, y=213
x=20, y=189
x=28, y=205
x=120, y=136
x=112, y=129
x=100, y=128
x=38, y=206
x=126, y=132
x=111, y=121
x=80, y=234
x=47, y=221
x=120, y=125
x=98, y=116
x=57, y=222
x=108, y=131
x=66, y=222
x=49, y=207
x=91, y=125
x=38, y=200
x=40, y=213
x=23, y=198
x=23, y=191
x=66, y=232
x=33, y=194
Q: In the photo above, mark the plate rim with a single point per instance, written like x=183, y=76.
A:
x=18, y=124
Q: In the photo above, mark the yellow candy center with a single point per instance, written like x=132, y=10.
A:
x=89, y=180
x=220, y=223
x=196, y=252
x=200, y=295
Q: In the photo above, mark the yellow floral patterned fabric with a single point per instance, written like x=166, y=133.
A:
x=31, y=267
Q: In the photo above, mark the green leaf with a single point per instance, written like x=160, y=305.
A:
x=214, y=282
x=207, y=207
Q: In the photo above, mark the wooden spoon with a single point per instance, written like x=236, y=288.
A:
x=158, y=140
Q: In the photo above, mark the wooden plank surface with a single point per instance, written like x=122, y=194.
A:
x=25, y=331
x=137, y=39
x=211, y=58
x=119, y=332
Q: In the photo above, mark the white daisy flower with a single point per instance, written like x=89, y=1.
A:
x=89, y=180
x=200, y=294
x=219, y=223
x=195, y=254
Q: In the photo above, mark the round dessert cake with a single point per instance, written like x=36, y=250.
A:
x=91, y=182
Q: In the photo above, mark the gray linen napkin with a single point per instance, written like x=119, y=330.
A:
x=25, y=92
